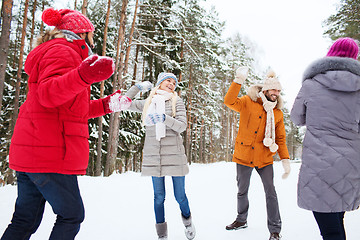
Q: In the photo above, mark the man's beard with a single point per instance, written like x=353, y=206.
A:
x=267, y=95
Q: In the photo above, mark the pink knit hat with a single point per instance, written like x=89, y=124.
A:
x=344, y=47
x=67, y=19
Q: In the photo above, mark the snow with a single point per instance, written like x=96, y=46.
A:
x=121, y=207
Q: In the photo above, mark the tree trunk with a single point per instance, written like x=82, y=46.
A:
x=181, y=57
x=6, y=14
x=195, y=133
x=33, y=24
x=20, y=67
x=84, y=7
x=136, y=63
x=42, y=23
x=75, y=5
x=114, y=119
x=130, y=39
x=189, y=120
x=201, y=147
x=100, y=125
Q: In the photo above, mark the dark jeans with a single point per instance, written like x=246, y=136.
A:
x=331, y=225
x=159, y=197
x=272, y=206
x=34, y=189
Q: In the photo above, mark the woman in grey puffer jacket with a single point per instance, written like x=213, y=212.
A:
x=164, y=116
x=328, y=104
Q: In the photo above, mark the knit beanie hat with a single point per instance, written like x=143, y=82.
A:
x=344, y=47
x=163, y=76
x=67, y=19
x=271, y=82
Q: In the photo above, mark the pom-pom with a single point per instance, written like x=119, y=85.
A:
x=271, y=74
x=267, y=142
x=274, y=147
x=51, y=17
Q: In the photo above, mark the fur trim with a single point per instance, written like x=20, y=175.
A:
x=253, y=93
x=48, y=35
x=332, y=64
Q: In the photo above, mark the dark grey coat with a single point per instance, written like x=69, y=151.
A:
x=328, y=104
x=167, y=156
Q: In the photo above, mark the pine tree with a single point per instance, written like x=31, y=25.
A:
x=344, y=23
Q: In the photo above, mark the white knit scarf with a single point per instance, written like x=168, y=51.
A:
x=157, y=105
x=269, y=139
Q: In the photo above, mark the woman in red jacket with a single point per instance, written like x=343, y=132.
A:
x=50, y=145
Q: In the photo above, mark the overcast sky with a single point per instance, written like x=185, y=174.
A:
x=288, y=33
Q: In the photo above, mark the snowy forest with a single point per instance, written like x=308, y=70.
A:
x=146, y=37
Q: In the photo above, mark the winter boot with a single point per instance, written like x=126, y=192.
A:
x=236, y=225
x=189, y=227
x=161, y=229
x=275, y=236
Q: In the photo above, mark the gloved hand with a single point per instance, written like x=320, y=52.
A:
x=144, y=86
x=96, y=68
x=241, y=74
x=154, y=118
x=116, y=102
x=287, y=168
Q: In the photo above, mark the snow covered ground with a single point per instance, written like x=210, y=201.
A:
x=121, y=207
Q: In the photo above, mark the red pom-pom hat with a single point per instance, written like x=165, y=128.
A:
x=67, y=19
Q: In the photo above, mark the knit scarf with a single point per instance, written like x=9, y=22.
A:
x=269, y=139
x=157, y=105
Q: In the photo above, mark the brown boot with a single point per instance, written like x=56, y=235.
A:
x=275, y=236
x=236, y=225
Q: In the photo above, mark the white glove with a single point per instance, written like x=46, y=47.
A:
x=144, y=86
x=287, y=168
x=241, y=74
x=118, y=103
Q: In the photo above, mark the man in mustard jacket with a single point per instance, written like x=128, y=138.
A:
x=261, y=134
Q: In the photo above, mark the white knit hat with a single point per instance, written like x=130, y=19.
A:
x=271, y=81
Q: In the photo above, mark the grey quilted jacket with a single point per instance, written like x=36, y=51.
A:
x=328, y=104
x=167, y=156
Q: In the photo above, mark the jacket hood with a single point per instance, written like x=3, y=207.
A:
x=337, y=73
x=50, y=39
x=253, y=93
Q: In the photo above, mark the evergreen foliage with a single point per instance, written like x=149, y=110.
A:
x=344, y=23
x=177, y=36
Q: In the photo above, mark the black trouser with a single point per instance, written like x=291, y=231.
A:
x=331, y=225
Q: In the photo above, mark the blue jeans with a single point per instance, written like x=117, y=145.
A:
x=159, y=197
x=34, y=189
x=331, y=225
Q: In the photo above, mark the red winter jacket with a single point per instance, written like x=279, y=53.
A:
x=51, y=132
